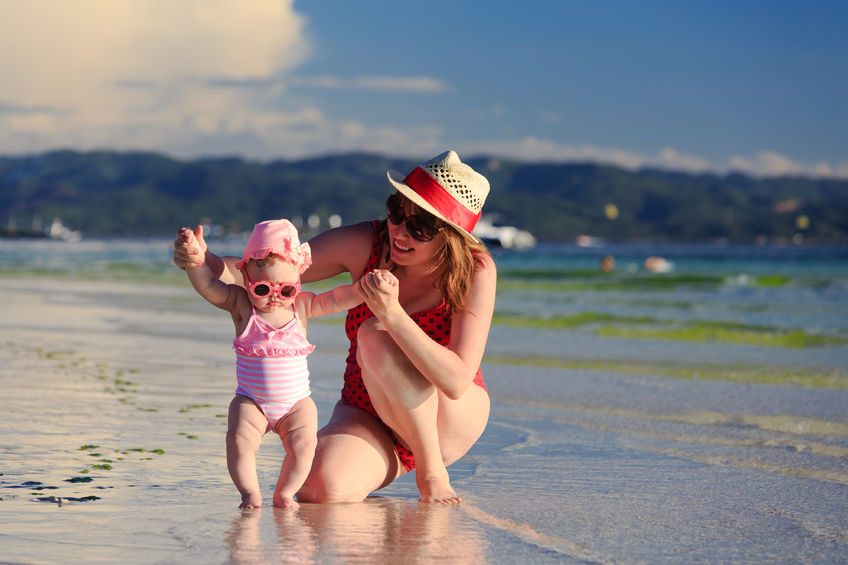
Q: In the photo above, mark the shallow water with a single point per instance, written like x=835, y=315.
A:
x=125, y=384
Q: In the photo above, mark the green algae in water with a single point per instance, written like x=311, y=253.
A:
x=729, y=333
x=79, y=479
x=771, y=281
x=633, y=283
x=568, y=322
x=800, y=376
x=194, y=407
x=706, y=331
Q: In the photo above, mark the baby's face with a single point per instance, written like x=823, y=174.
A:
x=273, y=283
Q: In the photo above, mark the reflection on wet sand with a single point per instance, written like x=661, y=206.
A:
x=374, y=531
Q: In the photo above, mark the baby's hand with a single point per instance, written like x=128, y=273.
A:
x=386, y=276
x=189, y=250
x=379, y=289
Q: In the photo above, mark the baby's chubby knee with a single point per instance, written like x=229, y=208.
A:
x=240, y=441
x=300, y=443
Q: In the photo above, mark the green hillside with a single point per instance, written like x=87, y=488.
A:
x=144, y=194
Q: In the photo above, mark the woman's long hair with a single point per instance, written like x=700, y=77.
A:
x=458, y=258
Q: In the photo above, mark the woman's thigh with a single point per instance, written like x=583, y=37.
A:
x=355, y=456
x=461, y=422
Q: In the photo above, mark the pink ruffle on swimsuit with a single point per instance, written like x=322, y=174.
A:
x=271, y=365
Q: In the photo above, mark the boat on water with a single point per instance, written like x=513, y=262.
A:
x=508, y=237
x=56, y=231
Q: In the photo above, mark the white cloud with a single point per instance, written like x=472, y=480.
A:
x=773, y=164
x=186, y=77
x=131, y=73
x=376, y=83
x=763, y=164
x=672, y=159
x=535, y=149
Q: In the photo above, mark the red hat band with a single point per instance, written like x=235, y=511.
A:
x=440, y=199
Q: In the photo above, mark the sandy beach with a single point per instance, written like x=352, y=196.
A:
x=112, y=450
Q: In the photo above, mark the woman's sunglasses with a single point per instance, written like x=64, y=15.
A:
x=423, y=227
x=263, y=289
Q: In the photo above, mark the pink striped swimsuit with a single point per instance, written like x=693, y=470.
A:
x=271, y=365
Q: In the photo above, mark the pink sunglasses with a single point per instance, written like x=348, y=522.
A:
x=262, y=289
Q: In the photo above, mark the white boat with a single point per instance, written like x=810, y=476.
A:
x=508, y=237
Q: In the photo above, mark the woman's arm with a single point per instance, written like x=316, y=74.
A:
x=340, y=250
x=450, y=369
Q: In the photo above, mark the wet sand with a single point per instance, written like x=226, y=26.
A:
x=112, y=450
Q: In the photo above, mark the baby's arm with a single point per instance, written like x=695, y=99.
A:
x=342, y=297
x=203, y=279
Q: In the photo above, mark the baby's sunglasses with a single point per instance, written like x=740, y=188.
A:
x=423, y=227
x=263, y=289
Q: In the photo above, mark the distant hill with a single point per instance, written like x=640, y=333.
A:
x=148, y=194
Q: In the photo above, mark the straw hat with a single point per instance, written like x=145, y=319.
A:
x=447, y=188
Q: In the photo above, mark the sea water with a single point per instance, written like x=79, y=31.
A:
x=696, y=415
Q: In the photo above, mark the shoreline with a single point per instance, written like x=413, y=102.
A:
x=117, y=389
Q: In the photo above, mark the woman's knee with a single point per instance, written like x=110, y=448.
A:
x=328, y=485
x=373, y=344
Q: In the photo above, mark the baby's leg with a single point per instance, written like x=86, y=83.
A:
x=246, y=424
x=299, y=431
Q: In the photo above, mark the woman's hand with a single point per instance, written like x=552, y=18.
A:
x=379, y=289
x=189, y=248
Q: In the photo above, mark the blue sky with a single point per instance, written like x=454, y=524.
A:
x=756, y=86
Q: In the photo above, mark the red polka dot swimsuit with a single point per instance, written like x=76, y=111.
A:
x=435, y=321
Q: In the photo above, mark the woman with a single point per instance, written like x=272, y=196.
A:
x=412, y=381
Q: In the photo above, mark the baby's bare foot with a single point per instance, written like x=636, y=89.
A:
x=281, y=501
x=437, y=490
x=250, y=501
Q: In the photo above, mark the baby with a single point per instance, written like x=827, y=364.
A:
x=271, y=349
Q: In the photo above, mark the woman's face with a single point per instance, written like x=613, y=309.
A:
x=406, y=250
x=281, y=283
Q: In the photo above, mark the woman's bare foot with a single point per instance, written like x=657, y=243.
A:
x=281, y=501
x=250, y=501
x=436, y=490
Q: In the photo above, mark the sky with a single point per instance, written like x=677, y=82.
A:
x=756, y=86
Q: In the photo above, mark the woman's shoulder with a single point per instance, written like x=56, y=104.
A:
x=484, y=265
x=343, y=249
x=484, y=280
